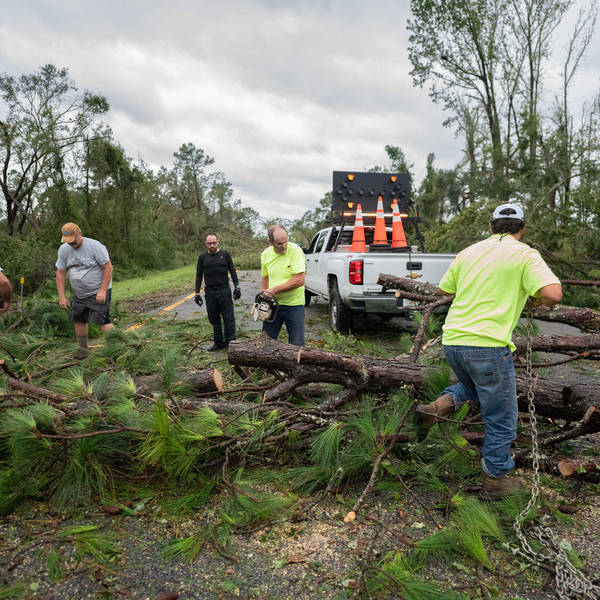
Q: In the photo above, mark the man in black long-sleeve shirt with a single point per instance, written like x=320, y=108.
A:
x=215, y=265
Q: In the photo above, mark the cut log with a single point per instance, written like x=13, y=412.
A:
x=564, y=394
x=208, y=380
x=203, y=381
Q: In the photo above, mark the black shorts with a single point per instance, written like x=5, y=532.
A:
x=84, y=310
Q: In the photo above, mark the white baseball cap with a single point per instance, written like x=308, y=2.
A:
x=516, y=214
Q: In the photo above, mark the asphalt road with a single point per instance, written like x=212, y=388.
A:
x=184, y=307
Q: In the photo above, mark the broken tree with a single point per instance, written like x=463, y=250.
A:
x=563, y=394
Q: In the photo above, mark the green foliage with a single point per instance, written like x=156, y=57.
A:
x=88, y=541
x=56, y=566
x=189, y=503
x=12, y=591
x=175, y=446
x=186, y=548
x=471, y=521
x=397, y=575
x=325, y=447
x=436, y=380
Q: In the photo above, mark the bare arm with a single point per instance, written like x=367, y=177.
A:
x=61, y=275
x=5, y=293
x=295, y=281
x=550, y=295
x=443, y=293
x=106, y=277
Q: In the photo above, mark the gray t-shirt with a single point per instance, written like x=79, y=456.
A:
x=84, y=266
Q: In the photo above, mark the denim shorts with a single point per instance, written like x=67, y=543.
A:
x=486, y=377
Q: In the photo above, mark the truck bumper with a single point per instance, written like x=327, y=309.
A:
x=380, y=304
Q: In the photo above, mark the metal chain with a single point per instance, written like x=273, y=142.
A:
x=570, y=582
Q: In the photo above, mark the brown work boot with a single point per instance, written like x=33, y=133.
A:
x=429, y=414
x=499, y=487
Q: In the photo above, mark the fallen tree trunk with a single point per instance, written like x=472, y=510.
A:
x=584, y=319
x=560, y=344
x=562, y=395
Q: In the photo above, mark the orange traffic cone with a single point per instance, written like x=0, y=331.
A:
x=358, y=237
x=380, y=235
x=398, y=236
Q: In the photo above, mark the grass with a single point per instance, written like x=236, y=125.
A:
x=155, y=282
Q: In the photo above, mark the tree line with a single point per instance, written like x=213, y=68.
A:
x=492, y=64
x=59, y=162
x=489, y=63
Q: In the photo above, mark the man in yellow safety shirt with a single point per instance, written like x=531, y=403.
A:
x=283, y=268
x=491, y=282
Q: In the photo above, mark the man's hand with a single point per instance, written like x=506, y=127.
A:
x=101, y=297
x=198, y=300
x=237, y=293
x=63, y=302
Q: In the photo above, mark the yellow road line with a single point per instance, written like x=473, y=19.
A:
x=162, y=312
x=168, y=308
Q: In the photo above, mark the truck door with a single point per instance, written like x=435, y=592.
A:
x=312, y=264
x=314, y=260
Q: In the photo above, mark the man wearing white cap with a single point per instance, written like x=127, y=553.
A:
x=491, y=282
x=90, y=276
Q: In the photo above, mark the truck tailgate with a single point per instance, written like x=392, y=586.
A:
x=429, y=268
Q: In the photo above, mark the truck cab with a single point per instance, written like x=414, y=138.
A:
x=347, y=279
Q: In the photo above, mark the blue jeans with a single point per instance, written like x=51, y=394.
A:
x=293, y=317
x=486, y=376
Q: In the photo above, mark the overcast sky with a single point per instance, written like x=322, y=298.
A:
x=280, y=93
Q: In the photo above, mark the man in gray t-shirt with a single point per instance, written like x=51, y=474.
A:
x=90, y=275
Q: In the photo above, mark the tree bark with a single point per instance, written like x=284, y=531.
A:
x=560, y=344
x=203, y=380
x=562, y=395
x=208, y=380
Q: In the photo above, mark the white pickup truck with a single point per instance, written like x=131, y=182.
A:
x=348, y=280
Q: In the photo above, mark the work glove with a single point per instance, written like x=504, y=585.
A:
x=198, y=300
x=237, y=293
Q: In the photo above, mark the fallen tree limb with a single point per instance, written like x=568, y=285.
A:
x=584, y=319
x=560, y=344
x=561, y=395
x=38, y=392
x=581, y=282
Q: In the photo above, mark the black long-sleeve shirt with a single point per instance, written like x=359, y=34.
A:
x=214, y=268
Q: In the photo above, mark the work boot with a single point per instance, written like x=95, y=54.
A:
x=81, y=353
x=216, y=347
x=499, y=487
x=429, y=414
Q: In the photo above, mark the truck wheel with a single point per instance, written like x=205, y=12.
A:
x=307, y=297
x=340, y=316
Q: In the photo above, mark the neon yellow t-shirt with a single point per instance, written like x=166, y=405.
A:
x=491, y=281
x=280, y=267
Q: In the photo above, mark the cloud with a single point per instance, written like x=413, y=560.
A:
x=279, y=93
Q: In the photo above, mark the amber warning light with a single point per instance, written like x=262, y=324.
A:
x=350, y=176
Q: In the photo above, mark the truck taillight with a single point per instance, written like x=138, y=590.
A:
x=355, y=274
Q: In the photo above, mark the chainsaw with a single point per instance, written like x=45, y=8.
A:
x=264, y=308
